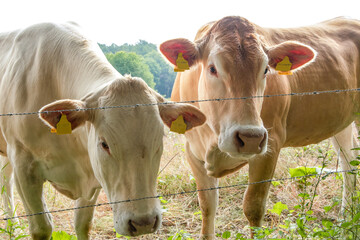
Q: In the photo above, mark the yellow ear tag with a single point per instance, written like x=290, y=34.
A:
x=63, y=126
x=181, y=64
x=178, y=126
x=284, y=66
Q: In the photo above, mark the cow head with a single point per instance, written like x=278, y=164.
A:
x=125, y=145
x=234, y=63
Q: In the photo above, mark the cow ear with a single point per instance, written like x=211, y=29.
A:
x=76, y=118
x=299, y=54
x=171, y=49
x=193, y=117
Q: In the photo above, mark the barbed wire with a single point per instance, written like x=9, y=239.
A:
x=324, y=174
x=189, y=101
x=185, y=192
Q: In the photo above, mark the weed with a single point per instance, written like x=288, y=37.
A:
x=61, y=235
x=310, y=211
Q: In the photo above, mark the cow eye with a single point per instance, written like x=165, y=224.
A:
x=213, y=70
x=266, y=70
x=105, y=146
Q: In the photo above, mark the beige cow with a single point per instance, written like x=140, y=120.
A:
x=233, y=58
x=50, y=67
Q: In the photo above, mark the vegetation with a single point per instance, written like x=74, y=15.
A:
x=131, y=63
x=142, y=60
x=307, y=208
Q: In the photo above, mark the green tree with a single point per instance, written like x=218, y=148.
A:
x=163, y=74
x=131, y=63
x=141, y=48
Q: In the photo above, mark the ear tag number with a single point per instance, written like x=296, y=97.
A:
x=181, y=64
x=63, y=126
x=284, y=66
x=178, y=126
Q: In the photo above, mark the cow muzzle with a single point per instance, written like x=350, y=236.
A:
x=143, y=225
x=138, y=225
x=138, y=217
x=243, y=141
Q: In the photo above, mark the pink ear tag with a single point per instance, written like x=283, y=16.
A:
x=63, y=126
x=181, y=64
x=178, y=126
x=284, y=66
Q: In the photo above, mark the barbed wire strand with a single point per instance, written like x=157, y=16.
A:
x=167, y=164
x=167, y=103
x=190, y=101
x=325, y=174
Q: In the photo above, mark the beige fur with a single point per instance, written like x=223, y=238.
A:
x=238, y=49
x=53, y=67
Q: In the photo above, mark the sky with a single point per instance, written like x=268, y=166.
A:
x=119, y=21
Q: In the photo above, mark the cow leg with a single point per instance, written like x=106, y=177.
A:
x=29, y=184
x=254, y=203
x=208, y=199
x=343, y=143
x=84, y=216
x=7, y=192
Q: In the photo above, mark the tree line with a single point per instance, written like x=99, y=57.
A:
x=142, y=60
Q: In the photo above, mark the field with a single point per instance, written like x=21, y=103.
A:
x=182, y=217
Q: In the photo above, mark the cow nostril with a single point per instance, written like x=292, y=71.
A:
x=132, y=228
x=239, y=141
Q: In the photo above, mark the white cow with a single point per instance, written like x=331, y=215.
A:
x=54, y=67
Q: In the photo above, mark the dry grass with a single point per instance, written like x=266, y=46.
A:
x=182, y=209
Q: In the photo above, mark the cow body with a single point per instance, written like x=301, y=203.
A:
x=230, y=58
x=54, y=68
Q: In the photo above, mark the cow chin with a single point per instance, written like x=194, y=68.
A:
x=129, y=223
x=219, y=164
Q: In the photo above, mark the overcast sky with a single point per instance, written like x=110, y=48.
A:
x=119, y=21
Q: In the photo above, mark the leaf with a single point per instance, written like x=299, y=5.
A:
x=301, y=171
x=283, y=226
x=304, y=195
x=226, y=235
x=278, y=208
x=275, y=183
x=239, y=236
x=356, y=218
x=197, y=213
x=61, y=235
x=345, y=224
x=302, y=232
x=22, y=236
x=327, y=224
x=310, y=212
x=355, y=163
x=328, y=208
x=308, y=218
x=321, y=234
x=297, y=207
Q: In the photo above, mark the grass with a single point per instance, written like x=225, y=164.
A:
x=182, y=215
